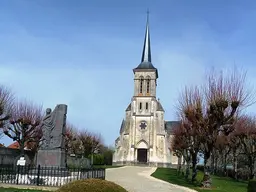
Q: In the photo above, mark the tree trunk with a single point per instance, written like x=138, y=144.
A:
x=225, y=164
x=187, y=170
x=179, y=164
x=215, y=164
x=206, y=182
x=194, y=171
x=222, y=172
x=235, y=166
x=22, y=146
x=212, y=163
x=205, y=164
x=251, y=167
x=183, y=166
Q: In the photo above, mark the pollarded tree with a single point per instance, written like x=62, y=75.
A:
x=23, y=126
x=191, y=114
x=225, y=96
x=72, y=141
x=6, y=105
x=91, y=142
x=180, y=147
x=246, y=133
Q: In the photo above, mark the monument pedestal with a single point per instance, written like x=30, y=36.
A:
x=51, y=158
x=51, y=162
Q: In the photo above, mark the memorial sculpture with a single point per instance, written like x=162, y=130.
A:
x=52, y=151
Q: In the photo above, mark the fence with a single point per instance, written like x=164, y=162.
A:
x=46, y=176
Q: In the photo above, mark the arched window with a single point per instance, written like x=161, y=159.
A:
x=140, y=106
x=147, y=106
x=148, y=85
x=141, y=84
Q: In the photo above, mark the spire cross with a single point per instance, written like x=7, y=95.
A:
x=147, y=14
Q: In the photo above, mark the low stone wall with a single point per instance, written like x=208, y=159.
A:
x=78, y=162
x=149, y=164
x=10, y=156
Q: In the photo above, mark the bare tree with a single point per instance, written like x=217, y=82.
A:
x=72, y=141
x=246, y=133
x=213, y=110
x=236, y=148
x=6, y=106
x=90, y=142
x=223, y=148
x=180, y=146
x=191, y=113
x=225, y=95
x=23, y=126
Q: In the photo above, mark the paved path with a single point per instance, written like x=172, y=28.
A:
x=138, y=179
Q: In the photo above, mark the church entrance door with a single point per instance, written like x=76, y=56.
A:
x=142, y=155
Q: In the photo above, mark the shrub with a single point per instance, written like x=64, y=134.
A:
x=252, y=186
x=91, y=185
x=98, y=159
x=200, y=167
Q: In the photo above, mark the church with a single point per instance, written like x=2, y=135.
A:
x=145, y=137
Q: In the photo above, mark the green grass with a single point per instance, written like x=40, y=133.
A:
x=220, y=184
x=18, y=190
x=106, y=166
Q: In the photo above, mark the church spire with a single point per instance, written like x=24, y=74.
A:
x=146, y=63
x=146, y=54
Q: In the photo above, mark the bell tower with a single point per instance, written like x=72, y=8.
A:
x=145, y=77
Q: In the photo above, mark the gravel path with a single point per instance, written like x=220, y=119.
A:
x=138, y=179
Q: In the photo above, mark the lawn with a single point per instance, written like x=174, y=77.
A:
x=220, y=184
x=18, y=190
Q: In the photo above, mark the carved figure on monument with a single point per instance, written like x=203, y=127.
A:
x=47, y=125
x=53, y=128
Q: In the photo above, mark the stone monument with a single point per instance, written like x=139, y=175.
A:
x=52, y=151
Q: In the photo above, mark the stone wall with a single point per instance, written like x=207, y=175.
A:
x=76, y=162
x=150, y=164
x=10, y=156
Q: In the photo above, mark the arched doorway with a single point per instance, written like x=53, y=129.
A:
x=142, y=152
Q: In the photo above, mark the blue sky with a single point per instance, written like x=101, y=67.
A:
x=82, y=53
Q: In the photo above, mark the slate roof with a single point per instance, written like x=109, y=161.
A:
x=159, y=106
x=122, y=127
x=129, y=107
x=170, y=125
x=146, y=63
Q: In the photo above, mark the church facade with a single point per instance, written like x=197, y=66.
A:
x=145, y=137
